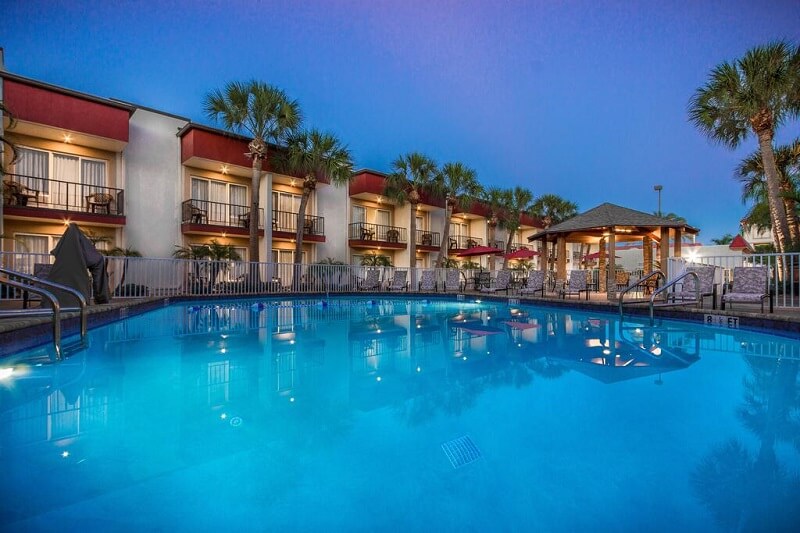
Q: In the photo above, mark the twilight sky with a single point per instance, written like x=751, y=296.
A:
x=584, y=99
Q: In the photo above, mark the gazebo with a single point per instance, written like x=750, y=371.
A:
x=608, y=224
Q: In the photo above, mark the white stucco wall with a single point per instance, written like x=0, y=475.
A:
x=153, y=184
x=332, y=203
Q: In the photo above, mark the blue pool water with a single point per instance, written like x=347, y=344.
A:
x=402, y=415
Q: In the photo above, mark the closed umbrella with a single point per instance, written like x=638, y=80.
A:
x=479, y=250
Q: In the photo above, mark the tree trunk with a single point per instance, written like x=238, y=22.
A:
x=254, y=193
x=445, y=247
x=790, y=206
x=508, y=248
x=776, y=208
x=308, y=186
x=412, y=243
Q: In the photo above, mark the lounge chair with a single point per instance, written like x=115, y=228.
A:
x=399, y=281
x=372, y=281
x=688, y=293
x=534, y=283
x=452, y=281
x=501, y=282
x=750, y=285
x=577, y=284
x=427, y=282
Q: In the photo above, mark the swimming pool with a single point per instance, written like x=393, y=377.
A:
x=403, y=414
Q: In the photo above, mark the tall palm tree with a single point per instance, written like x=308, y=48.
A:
x=750, y=174
x=314, y=155
x=754, y=94
x=552, y=209
x=518, y=202
x=411, y=174
x=495, y=200
x=460, y=187
x=264, y=113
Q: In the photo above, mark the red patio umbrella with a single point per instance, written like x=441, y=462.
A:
x=522, y=253
x=479, y=250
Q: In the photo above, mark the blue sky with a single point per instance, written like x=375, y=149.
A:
x=586, y=100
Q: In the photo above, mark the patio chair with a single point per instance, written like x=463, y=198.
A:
x=372, y=281
x=750, y=285
x=534, y=283
x=399, y=281
x=15, y=193
x=99, y=202
x=427, y=282
x=392, y=235
x=501, y=282
x=452, y=281
x=427, y=239
x=576, y=285
x=687, y=292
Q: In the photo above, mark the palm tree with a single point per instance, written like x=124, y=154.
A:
x=314, y=155
x=750, y=174
x=217, y=255
x=123, y=252
x=376, y=260
x=518, y=201
x=552, y=209
x=495, y=200
x=756, y=93
x=725, y=239
x=411, y=173
x=264, y=113
x=460, y=187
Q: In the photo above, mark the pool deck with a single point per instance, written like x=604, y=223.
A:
x=21, y=332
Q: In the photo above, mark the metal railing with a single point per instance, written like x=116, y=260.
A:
x=428, y=238
x=44, y=193
x=462, y=242
x=784, y=272
x=218, y=214
x=287, y=221
x=364, y=231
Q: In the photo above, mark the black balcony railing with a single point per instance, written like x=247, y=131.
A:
x=362, y=231
x=428, y=238
x=218, y=214
x=497, y=244
x=44, y=193
x=462, y=242
x=520, y=246
x=287, y=221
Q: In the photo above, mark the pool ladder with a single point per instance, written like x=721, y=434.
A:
x=661, y=292
x=26, y=282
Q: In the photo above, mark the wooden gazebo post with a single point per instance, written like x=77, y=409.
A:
x=602, y=278
x=561, y=257
x=611, y=273
x=663, y=249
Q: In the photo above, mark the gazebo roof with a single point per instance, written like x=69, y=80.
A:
x=594, y=222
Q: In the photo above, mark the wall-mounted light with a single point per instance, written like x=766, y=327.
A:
x=67, y=138
x=291, y=182
x=224, y=169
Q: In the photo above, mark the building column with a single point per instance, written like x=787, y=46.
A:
x=561, y=258
x=663, y=249
x=611, y=283
x=601, y=266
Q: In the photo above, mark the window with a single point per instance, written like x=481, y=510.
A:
x=31, y=248
x=223, y=202
x=422, y=221
x=39, y=166
x=359, y=214
x=383, y=217
x=285, y=201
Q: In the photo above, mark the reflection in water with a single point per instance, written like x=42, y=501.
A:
x=190, y=384
x=750, y=490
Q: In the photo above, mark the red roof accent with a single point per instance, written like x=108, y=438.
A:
x=41, y=105
x=739, y=243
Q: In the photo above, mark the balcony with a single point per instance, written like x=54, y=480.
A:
x=28, y=196
x=520, y=246
x=285, y=222
x=462, y=242
x=203, y=216
x=429, y=241
x=364, y=235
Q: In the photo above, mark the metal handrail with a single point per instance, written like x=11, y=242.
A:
x=53, y=302
x=654, y=274
x=670, y=285
x=84, y=306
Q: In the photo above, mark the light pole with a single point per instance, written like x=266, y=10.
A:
x=658, y=188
